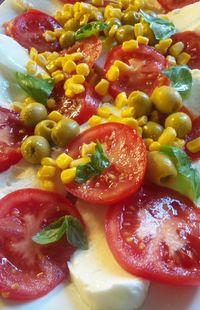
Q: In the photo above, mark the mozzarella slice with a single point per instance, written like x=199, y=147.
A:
x=47, y=6
x=100, y=281
x=192, y=100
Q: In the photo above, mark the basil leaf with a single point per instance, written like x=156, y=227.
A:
x=161, y=28
x=99, y=162
x=39, y=89
x=180, y=77
x=90, y=29
x=66, y=224
x=187, y=181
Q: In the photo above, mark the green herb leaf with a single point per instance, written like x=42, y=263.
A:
x=161, y=28
x=37, y=88
x=66, y=224
x=99, y=162
x=180, y=77
x=90, y=29
x=187, y=181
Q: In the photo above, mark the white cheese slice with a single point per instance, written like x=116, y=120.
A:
x=47, y=6
x=100, y=281
x=192, y=101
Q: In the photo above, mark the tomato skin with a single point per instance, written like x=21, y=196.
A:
x=28, y=29
x=191, y=42
x=12, y=132
x=170, y=5
x=147, y=66
x=128, y=159
x=154, y=234
x=195, y=133
x=81, y=107
x=38, y=269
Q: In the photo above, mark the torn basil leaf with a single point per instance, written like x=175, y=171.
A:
x=180, y=77
x=90, y=29
x=66, y=224
x=38, y=88
x=99, y=162
x=161, y=28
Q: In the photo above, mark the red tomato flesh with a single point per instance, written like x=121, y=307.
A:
x=147, y=65
x=12, y=132
x=155, y=235
x=29, y=270
x=81, y=107
x=170, y=5
x=28, y=29
x=195, y=133
x=191, y=42
x=127, y=155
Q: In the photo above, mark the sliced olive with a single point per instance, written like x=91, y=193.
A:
x=32, y=114
x=64, y=131
x=44, y=129
x=34, y=148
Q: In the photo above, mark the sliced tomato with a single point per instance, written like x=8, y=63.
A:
x=191, y=42
x=170, y=5
x=29, y=270
x=90, y=47
x=195, y=133
x=28, y=29
x=146, y=70
x=155, y=235
x=127, y=155
x=12, y=132
x=81, y=107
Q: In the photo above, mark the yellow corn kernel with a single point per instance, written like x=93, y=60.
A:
x=104, y=112
x=111, y=12
x=114, y=119
x=46, y=172
x=88, y=149
x=33, y=53
x=17, y=106
x=48, y=185
x=98, y=2
x=51, y=67
x=128, y=112
x=94, y=120
x=183, y=58
x=130, y=121
x=31, y=67
x=55, y=116
x=102, y=87
x=81, y=161
x=194, y=145
x=121, y=100
x=168, y=136
x=28, y=100
x=69, y=66
x=129, y=46
x=52, y=56
x=148, y=142
x=142, y=120
x=51, y=103
x=154, y=146
x=84, y=19
x=82, y=69
x=75, y=56
x=48, y=161
x=171, y=60
x=139, y=131
x=142, y=40
x=41, y=60
x=166, y=43
x=78, y=78
x=139, y=4
x=161, y=50
x=76, y=88
x=112, y=31
x=122, y=66
x=63, y=161
x=68, y=8
x=69, y=93
x=58, y=76
x=113, y=73
x=49, y=36
x=138, y=29
x=179, y=143
x=68, y=175
x=176, y=49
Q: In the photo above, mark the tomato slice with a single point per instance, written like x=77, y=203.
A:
x=147, y=65
x=127, y=154
x=81, y=107
x=191, y=42
x=29, y=270
x=195, y=133
x=155, y=235
x=170, y=5
x=12, y=132
x=28, y=29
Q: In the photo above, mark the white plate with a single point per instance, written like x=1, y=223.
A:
x=160, y=297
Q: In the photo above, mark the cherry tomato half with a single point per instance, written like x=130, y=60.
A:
x=170, y=5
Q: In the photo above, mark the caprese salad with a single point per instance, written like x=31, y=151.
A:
x=99, y=148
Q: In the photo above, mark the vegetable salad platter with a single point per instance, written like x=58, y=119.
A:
x=100, y=154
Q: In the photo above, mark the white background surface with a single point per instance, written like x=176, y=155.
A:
x=160, y=297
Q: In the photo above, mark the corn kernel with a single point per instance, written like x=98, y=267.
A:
x=31, y=67
x=111, y=12
x=112, y=31
x=17, y=106
x=142, y=40
x=154, y=146
x=121, y=100
x=88, y=149
x=129, y=46
x=48, y=185
x=176, y=49
x=94, y=120
x=168, y=136
x=171, y=60
x=139, y=4
x=69, y=93
x=52, y=56
x=142, y=120
x=114, y=119
x=46, y=172
x=58, y=76
x=104, y=112
x=102, y=87
x=98, y=2
x=55, y=116
x=76, y=88
x=113, y=73
x=160, y=49
x=179, y=143
x=82, y=69
x=128, y=112
x=194, y=145
x=51, y=67
x=69, y=66
x=130, y=121
x=63, y=161
x=28, y=100
x=183, y=58
x=41, y=60
x=49, y=36
x=122, y=66
x=68, y=175
x=138, y=29
x=78, y=78
x=148, y=142
x=81, y=161
x=33, y=53
x=48, y=161
x=51, y=103
x=76, y=56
